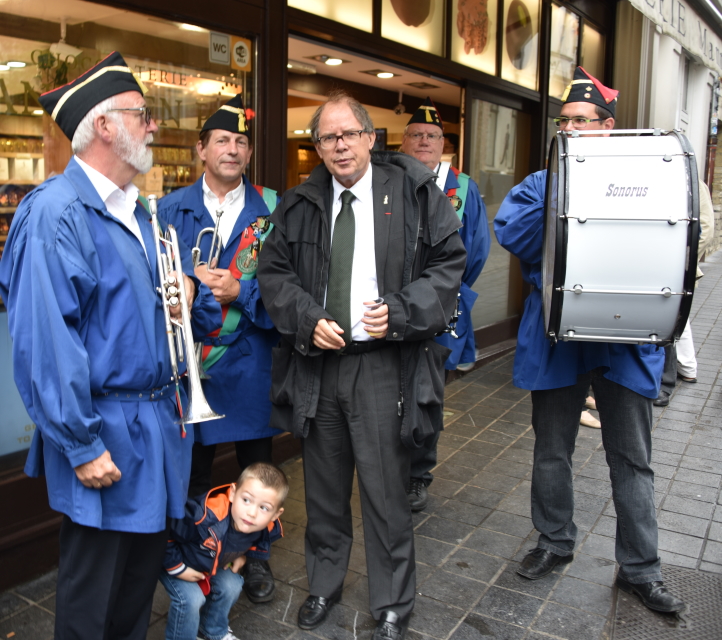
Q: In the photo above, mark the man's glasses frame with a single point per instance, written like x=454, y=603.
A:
x=418, y=136
x=143, y=111
x=349, y=137
x=580, y=122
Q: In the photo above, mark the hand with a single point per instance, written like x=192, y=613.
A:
x=376, y=321
x=221, y=282
x=237, y=564
x=190, y=289
x=98, y=473
x=327, y=335
x=191, y=575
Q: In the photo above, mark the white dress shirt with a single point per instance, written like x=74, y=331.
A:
x=120, y=203
x=231, y=206
x=364, y=286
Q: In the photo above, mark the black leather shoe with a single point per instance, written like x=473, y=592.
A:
x=314, y=611
x=418, y=494
x=540, y=562
x=653, y=595
x=662, y=400
x=258, y=581
x=389, y=627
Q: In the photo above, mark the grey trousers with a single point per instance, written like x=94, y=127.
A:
x=357, y=425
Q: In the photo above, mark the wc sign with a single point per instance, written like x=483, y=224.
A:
x=219, y=48
x=227, y=50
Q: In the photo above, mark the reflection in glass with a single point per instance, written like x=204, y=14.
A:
x=416, y=23
x=493, y=167
x=563, y=54
x=593, y=51
x=473, y=34
x=354, y=13
x=521, y=42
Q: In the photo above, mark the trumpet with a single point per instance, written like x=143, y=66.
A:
x=196, y=256
x=180, y=336
x=451, y=327
x=216, y=244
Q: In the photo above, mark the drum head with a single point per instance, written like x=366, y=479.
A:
x=554, y=243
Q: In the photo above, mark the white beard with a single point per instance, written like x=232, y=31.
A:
x=133, y=151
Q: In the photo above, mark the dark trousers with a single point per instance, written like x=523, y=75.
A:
x=669, y=374
x=106, y=581
x=423, y=460
x=357, y=425
x=626, y=419
x=247, y=452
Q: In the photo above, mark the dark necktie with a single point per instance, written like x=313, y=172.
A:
x=338, y=293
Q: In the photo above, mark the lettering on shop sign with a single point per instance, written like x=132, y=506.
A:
x=29, y=428
x=682, y=23
x=30, y=99
x=147, y=74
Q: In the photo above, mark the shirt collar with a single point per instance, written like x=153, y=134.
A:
x=231, y=196
x=362, y=189
x=104, y=185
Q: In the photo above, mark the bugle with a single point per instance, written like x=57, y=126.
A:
x=179, y=333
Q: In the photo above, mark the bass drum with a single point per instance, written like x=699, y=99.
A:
x=621, y=229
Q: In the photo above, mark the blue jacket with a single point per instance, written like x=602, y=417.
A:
x=86, y=320
x=477, y=242
x=240, y=381
x=197, y=539
x=539, y=365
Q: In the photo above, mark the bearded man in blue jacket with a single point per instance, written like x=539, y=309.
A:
x=625, y=379
x=91, y=357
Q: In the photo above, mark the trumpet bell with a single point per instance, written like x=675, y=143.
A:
x=199, y=411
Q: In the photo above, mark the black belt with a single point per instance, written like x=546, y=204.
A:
x=356, y=348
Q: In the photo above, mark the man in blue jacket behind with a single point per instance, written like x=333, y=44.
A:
x=237, y=358
x=625, y=379
x=424, y=140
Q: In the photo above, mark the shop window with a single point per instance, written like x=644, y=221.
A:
x=520, y=50
x=498, y=138
x=592, y=51
x=473, y=34
x=184, y=87
x=563, y=49
x=354, y=13
x=415, y=23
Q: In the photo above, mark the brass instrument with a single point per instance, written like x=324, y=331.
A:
x=180, y=336
x=216, y=244
x=196, y=256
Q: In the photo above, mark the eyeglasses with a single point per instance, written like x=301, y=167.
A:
x=349, y=137
x=433, y=137
x=140, y=110
x=579, y=122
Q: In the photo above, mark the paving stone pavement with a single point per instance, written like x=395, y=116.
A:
x=477, y=525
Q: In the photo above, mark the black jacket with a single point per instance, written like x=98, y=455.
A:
x=419, y=263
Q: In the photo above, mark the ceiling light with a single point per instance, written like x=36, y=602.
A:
x=422, y=85
x=380, y=73
x=301, y=67
x=4, y=67
x=326, y=59
x=16, y=64
x=38, y=112
x=191, y=27
x=299, y=132
x=308, y=131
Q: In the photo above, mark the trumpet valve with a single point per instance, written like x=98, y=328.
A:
x=173, y=301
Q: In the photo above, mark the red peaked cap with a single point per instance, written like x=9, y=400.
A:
x=578, y=91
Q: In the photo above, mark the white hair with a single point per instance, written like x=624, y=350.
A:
x=85, y=133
